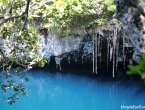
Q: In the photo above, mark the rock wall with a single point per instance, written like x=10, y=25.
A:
x=131, y=13
x=105, y=44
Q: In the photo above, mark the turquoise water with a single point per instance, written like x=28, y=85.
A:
x=67, y=91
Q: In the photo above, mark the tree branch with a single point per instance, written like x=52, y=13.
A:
x=17, y=16
x=26, y=10
x=12, y=17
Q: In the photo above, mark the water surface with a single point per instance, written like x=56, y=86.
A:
x=67, y=91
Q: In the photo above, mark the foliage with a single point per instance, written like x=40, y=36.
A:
x=65, y=17
x=18, y=48
x=4, y=2
x=18, y=40
x=139, y=68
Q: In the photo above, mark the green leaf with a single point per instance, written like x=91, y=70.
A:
x=139, y=68
x=143, y=75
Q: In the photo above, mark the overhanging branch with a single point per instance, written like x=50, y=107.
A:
x=12, y=17
x=26, y=10
x=17, y=16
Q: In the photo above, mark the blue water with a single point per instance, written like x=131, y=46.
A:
x=59, y=91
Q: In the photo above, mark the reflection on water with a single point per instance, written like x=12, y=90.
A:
x=59, y=91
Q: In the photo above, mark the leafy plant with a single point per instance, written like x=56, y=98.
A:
x=18, y=47
x=63, y=17
x=139, y=68
x=18, y=40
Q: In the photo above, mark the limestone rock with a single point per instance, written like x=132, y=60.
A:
x=131, y=13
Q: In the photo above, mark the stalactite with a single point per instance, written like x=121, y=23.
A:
x=108, y=47
x=114, y=49
x=129, y=60
x=113, y=60
x=127, y=42
x=48, y=60
x=68, y=58
x=111, y=51
x=58, y=62
x=93, y=54
x=60, y=66
x=100, y=53
x=75, y=58
x=82, y=59
x=123, y=50
x=117, y=49
x=96, y=42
